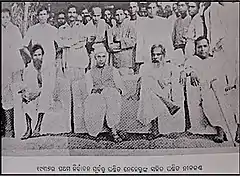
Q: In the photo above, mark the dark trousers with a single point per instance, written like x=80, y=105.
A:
x=7, y=123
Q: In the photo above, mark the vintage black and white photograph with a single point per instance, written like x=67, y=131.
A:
x=119, y=78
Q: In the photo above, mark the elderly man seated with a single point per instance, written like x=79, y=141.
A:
x=105, y=88
x=156, y=108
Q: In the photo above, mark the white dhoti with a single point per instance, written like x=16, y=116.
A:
x=98, y=105
x=232, y=100
x=151, y=107
x=178, y=99
x=205, y=109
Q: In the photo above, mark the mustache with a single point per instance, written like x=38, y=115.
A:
x=155, y=61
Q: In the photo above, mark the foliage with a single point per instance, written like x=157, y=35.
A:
x=17, y=10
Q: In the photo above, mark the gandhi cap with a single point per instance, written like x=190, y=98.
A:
x=99, y=48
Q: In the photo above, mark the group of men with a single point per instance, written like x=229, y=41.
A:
x=182, y=63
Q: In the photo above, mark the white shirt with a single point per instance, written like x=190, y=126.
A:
x=45, y=35
x=75, y=37
x=156, y=31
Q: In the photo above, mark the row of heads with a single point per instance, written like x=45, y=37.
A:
x=96, y=12
x=158, y=51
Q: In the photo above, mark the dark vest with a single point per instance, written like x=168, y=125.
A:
x=102, y=77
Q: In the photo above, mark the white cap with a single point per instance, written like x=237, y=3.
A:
x=99, y=48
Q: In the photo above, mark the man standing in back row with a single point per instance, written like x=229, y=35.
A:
x=75, y=56
x=180, y=30
x=138, y=24
x=11, y=66
x=122, y=39
x=95, y=32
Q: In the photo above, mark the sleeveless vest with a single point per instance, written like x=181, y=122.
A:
x=102, y=77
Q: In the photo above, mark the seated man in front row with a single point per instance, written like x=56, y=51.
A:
x=156, y=110
x=31, y=91
x=209, y=112
x=105, y=88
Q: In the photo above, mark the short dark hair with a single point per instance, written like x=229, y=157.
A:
x=201, y=38
x=42, y=8
x=7, y=10
x=35, y=48
x=158, y=46
x=71, y=6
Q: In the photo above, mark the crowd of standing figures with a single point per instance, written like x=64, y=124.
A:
x=183, y=56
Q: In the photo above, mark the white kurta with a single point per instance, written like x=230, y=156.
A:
x=107, y=103
x=155, y=31
x=138, y=24
x=45, y=35
x=151, y=106
x=203, y=117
